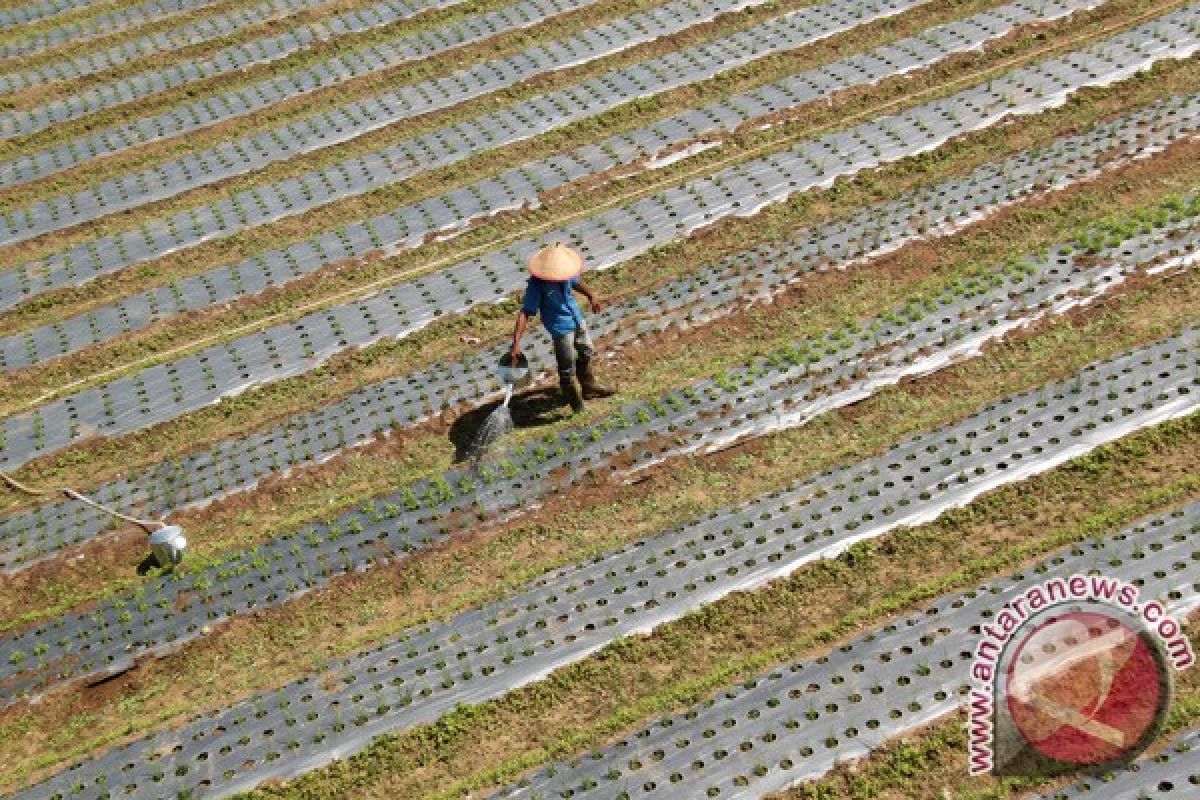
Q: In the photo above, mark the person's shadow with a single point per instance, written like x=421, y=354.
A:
x=530, y=409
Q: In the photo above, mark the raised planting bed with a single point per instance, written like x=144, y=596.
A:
x=783, y=390
x=231, y=59
x=796, y=722
x=1173, y=774
x=520, y=188
x=165, y=391
x=756, y=274
x=108, y=22
x=568, y=614
x=347, y=121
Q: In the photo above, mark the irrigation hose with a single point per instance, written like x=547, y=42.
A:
x=149, y=526
x=395, y=277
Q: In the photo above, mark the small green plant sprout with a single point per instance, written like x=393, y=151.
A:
x=409, y=499
x=726, y=381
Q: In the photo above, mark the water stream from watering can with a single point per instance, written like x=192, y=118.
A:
x=497, y=425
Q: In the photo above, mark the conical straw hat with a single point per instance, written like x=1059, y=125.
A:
x=556, y=262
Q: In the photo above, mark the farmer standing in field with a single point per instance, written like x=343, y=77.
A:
x=554, y=273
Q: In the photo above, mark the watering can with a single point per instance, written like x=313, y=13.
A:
x=514, y=373
x=168, y=545
x=167, y=542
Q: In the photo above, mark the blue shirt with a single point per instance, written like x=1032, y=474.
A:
x=555, y=301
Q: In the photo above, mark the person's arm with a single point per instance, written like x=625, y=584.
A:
x=518, y=331
x=592, y=299
x=529, y=309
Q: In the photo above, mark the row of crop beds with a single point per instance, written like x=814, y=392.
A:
x=166, y=390
x=412, y=399
x=177, y=234
x=519, y=188
x=822, y=325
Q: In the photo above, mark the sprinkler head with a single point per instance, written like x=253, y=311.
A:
x=168, y=545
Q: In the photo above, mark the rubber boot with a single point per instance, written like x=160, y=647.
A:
x=587, y=380
x=571, y=393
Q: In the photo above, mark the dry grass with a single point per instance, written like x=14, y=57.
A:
x=69, y=302
x=441, y=341
x=1100, y=20
x=931, y=764
x=270, y=26
x=620, y=688
x=257, y=652
x=814, y=305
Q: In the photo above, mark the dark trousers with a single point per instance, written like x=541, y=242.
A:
x=571, y=347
